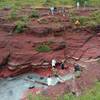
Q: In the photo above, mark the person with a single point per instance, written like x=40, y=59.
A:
x=77, y=70
x=55, y=9
x=52, y=10
x=63, y=11
x=77, y=67
x=62, y=64
x=78, y=5
x=77, y=24
x=53, y=63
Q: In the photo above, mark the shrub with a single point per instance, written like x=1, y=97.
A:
x=95, y=16
x=34, y=14
x=24, y=18
x=43, y=48
x=20, y=25
x=82, y=19
x=49, y=3
x=13, y=15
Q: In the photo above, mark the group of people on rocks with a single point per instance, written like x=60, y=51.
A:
x=54, y=10
x=77, y=70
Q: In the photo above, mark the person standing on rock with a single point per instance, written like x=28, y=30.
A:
x=77, y=70
x=62, y=64
x=63, y=11
x=78, y=5
x=52, y=10
x=53, y=63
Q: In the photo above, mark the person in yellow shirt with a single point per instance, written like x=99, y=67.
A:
x=77, y=23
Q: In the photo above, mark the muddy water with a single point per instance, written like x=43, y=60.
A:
x=13, y=88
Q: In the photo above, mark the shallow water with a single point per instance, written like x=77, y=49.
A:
x=13, y=88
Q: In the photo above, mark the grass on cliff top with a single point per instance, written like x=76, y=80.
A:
x=87, y=21
x=92, y=94
x=15, y=4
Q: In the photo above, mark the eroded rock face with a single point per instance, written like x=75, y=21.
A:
x=4, y=56
x=3, y=44
x=39, y=31
x=18, y=59
x=58, y=46
x=96, y=29
x=7, y=27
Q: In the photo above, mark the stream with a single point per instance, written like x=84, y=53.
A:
x=13, y=88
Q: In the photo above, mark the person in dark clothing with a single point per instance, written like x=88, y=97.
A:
x=62, y=64
x=55, y=9
x=77, y=67
x=77, y=70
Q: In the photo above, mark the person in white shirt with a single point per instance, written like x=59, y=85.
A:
x=52, y=10
x=53, y=63
x=78, y=5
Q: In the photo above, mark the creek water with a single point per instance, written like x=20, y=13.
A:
x=13, y=88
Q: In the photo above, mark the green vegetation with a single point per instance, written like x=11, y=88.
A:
x=37, y=97
x=20, y=26
x=34, y=14
x=82, y=2
x=17, y=4
x=92, y=20
x=43, y=48
x=92, y=94
x=12, y=15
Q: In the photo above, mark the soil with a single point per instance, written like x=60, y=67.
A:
x=18, y=51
